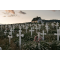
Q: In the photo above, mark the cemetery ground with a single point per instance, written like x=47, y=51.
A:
x=27, y=42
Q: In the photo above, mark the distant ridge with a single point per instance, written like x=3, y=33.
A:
x=51, y=20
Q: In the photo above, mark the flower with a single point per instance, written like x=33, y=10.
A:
x=36, y=39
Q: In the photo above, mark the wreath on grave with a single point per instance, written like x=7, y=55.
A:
x=36, y=39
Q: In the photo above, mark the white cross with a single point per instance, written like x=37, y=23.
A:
x=31, y=31
x=54, y=22
x=19, y=27
x=52, y=25
x=38, y=35
x=39, y=27
x=9, y=26
x=57, y=24
x=26, y=29
x=46, y=24
x=59, y=27
x=11, y=30
x=19, y=35
x=9, y=36
x=38, y=40
x=13, y=27
x=47, y=28
x=58, y=34
x=36, y=29
x=43, y=34
x=23, y=26
x=5, y=26
x=5, y=32
x=0, y=48
x=30, y=25
x=33, y=27
x=10, y=33
x=42, y=24
x=1, y=27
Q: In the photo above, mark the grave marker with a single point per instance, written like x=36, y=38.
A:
x=47, y=28
x=9, y=36
x=31, y=31
x=36, y=28
x=58, y=34
x=5, y=32
x=26, y=29
x=43, y=34
x=0, y=48
x=19, y=35
x=38, y=40
x=57, y=24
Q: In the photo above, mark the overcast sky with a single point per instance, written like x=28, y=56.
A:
x=30, y=14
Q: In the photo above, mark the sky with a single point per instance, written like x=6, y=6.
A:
x=5, y=18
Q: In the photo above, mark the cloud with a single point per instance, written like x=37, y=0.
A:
x=10, y=11
x=22, y=12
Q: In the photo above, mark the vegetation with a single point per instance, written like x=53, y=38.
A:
x=27, y=42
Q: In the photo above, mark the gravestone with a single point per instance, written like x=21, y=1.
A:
x=11, y=30
x=10, y=33
x=39, y=26
x=26, y=28
x=59, y=27
x=31, y=31
x=57, y=24
x=1, y=27
x=36, y=28
x=9, y=36
x=58, y=34
x=42, y=24
x=43, y=34
x=47, y=28
x=23, y=26
x=19, y=35
x=19, y=27
x=38, y=40
x=52, y=25
x=33, y=27
x=5, y=32
x=0, y=48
